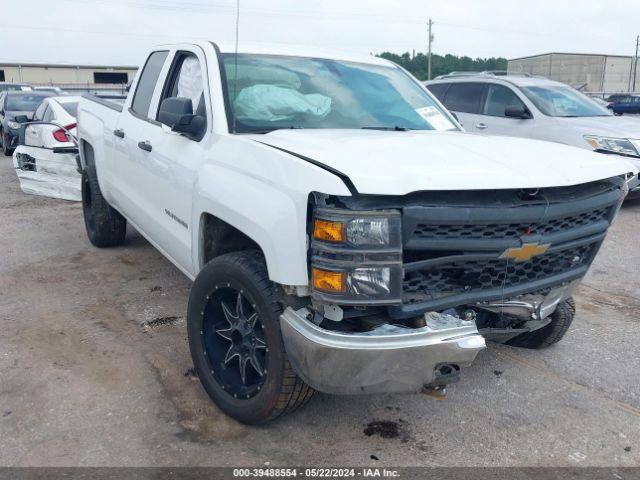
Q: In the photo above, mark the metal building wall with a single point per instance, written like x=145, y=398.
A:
x=616, y=77
x=57, y=74
x=600, y=73
x=577, y=70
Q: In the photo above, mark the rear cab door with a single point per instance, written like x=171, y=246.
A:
x=465, y=100
x=126, y=161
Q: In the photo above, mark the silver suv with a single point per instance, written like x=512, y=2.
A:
x=538, y=108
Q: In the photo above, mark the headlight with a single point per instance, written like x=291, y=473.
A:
x=14, y=125
x=622, y=146
x=357, y=229
x=356, y=257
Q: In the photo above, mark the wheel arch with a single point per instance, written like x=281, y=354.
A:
x=217, y=237
x=87, y=154
x=270, y=228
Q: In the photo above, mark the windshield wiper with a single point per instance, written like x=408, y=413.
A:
x=388, y=129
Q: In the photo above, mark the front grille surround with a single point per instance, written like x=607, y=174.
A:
x=452, y=253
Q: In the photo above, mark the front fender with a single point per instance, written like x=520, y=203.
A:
x=271, y=211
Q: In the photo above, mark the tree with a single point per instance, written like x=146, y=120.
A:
x=441, y=65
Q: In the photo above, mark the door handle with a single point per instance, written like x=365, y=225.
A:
x=119, y=133
x=146, y=146
x=481, y=126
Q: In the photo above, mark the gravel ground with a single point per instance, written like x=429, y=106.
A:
x=95, y=370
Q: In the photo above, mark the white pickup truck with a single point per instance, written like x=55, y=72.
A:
x=342, y=232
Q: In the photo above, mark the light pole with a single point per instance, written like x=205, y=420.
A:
x=429, y=54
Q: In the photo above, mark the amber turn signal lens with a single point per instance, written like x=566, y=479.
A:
x=333, y=282
x=329, y=231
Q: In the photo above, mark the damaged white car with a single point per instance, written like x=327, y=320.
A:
x=45, y=161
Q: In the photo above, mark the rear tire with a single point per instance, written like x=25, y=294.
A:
x=223, y=336
x=551, y=333
x=106, y=227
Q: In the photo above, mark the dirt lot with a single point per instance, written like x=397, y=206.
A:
x=95, y=370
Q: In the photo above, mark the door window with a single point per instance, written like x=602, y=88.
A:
x=186, y=81
x=498, y=99
x=464, y=97
x=147, y=82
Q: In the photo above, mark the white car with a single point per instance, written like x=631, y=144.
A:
x=342, y=232
x=537, y=108
x=46, y=160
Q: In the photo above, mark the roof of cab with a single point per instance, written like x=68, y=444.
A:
x=297, y=51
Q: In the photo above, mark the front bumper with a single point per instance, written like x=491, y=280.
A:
x=387, y=359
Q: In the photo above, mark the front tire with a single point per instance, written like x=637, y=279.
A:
x=233, y=322
x=551, y=333
x=105, y=226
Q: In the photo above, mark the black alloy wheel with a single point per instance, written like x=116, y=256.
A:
x=234, y=341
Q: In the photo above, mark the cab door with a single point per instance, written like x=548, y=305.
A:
x=465, y=99
x=172, y=159
x=493, y=120
x=126, y=162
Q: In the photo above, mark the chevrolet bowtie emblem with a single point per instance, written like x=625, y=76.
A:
x=526, y=252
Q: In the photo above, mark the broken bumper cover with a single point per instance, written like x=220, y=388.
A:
x=387, y=359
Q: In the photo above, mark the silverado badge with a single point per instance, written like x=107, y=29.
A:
x=526, y=252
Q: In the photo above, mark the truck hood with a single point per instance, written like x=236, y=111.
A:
x=398, y=163
x=617, y=127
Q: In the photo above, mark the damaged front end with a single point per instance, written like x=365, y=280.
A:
x=404, y=290
x=388, y=358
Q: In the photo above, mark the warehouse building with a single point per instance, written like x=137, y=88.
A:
x=46, y=74
x=595, y=73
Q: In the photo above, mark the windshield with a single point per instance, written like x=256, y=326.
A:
x=275, y=92
x=564, y=102
x=24, y=103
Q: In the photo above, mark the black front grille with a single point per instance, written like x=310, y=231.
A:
x=456, y=254
x=462, y=275
x=509, y=230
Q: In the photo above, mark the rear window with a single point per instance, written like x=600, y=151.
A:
x=464, y=97
x=438, y=89
x=71, y=108
x=147, y=82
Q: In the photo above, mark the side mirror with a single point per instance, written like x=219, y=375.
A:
x=516, y=111
x=177, y=114
x=22, y=119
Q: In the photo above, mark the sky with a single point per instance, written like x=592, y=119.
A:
x=118, y=32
